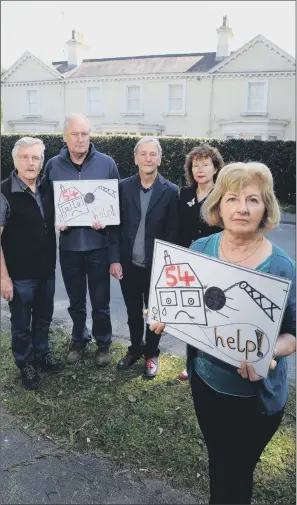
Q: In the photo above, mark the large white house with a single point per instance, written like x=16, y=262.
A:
x=249, y=93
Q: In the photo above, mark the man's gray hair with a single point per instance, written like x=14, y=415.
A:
x=145, y=140
x=75, y=115
x=28, y=142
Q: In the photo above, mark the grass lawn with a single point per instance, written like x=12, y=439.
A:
x=147, y=425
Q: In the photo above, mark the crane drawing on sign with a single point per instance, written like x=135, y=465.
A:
x=90, y=197
x=182, y=298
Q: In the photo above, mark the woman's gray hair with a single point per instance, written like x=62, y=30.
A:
x=145, y=140
x=28, y=142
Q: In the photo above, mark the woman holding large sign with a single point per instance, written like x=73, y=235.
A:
x=238, y=410
x=202, y=166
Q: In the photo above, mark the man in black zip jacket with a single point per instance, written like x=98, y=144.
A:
x=28, y=260
x=88, y=254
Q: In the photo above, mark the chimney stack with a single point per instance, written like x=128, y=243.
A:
x=225, y=35
x=76, y=49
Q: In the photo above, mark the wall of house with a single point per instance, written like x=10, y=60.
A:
x=227, y=97
x=31, y=70
x=15, y=105
x=281, y=102
x=229, y=104
x=258, y=58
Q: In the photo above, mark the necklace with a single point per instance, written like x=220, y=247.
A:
x=247, y=257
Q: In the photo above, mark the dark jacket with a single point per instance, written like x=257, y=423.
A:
x=28, y=240
x=162, y=217
x=192, y=225
x=95, y=166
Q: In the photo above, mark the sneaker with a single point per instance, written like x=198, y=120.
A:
x=102, y=357
x=48, y=363
x=76, y=353
x=127, y=361
x=30, y=377
x=183, y=376
x=151, y=367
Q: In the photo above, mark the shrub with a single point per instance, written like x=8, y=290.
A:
x=279, y=156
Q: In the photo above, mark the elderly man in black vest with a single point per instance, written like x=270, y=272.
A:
x=28, y=260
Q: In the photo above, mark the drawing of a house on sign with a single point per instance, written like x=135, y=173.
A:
x=227, y=311
x=71, y=203
x=180, y=295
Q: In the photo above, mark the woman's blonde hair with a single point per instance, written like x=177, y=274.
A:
x=236, y=176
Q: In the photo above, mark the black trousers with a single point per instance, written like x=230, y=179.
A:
x=31, y=311
x=235, y=434
x=79, y=269
x=135, y=287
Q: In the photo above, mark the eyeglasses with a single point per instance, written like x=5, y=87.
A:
x=25, y=157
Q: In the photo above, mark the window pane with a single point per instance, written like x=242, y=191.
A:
x=94, y=100
x=175, y=91
x=32, y=96
x=175, y=104
x=133, y=92
x=33, y=109
x=272, y=137
x=133, y=105
x=94, y=94
x=94, y=107
x=256, y=92
x=256, y=89
x=256, y=104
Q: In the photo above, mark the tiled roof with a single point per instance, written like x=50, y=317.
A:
x=155, y=64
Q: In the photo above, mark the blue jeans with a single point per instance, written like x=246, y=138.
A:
x=31, y=311
x=80, y=268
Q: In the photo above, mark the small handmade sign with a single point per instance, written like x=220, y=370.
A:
x=228, y=311
x=80, y=203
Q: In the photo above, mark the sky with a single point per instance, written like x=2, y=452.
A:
x=134, y=28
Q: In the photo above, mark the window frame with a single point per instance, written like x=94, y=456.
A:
x=29, y=112
x=251, y=112
x=173, y=112
x=126, y=111
x=97, y=85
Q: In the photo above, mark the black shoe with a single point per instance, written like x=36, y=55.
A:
x=151, y=367
x=127, y=361
x=49, y=364
x=30, y=377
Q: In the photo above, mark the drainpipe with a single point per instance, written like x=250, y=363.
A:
x=210, y=107
x=64, y=100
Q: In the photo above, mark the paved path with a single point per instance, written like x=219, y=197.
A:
x=35, y=470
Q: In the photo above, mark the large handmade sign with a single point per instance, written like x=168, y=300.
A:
x=80, y=203
x=228, y=311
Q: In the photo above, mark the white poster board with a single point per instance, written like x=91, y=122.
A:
x=80, y=203
x=228, y=311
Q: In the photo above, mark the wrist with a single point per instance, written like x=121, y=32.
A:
x=5, y=278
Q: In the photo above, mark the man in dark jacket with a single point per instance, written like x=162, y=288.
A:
x=28, y=260
x=149, y=209
x=88, y=254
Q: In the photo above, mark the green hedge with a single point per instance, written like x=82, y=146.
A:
x=279, y=156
